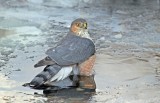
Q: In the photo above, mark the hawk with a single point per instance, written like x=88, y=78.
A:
x=71, y=60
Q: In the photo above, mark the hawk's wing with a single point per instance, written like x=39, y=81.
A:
x=72, y=50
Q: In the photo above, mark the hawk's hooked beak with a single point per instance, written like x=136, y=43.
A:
x=85, y=25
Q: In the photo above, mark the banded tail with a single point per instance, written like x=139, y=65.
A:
x=47, y=78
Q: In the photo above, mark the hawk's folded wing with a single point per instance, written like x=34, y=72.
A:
x=72, y=50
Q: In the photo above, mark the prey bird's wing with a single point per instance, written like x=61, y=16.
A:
x=72, y=50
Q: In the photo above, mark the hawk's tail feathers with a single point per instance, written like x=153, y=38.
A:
x=55, y=75
x=44, y=76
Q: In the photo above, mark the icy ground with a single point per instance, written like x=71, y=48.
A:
x=126, y=35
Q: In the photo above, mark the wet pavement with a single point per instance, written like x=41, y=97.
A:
x=126, y=35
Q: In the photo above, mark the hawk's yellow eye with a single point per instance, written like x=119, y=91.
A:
x=85, y=25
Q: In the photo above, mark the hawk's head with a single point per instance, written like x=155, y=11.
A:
x=79, y=28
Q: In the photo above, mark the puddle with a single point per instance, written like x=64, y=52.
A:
x=115, y=79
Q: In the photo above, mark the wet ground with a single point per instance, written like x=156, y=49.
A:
x=126, y=36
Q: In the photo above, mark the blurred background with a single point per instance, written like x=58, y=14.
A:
x=126, y=34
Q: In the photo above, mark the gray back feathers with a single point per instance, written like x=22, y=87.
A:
x=72, y=50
